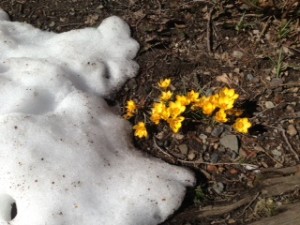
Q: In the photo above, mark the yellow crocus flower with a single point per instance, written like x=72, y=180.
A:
x=176, y=108
x=140, y=130
x=165, y=96
x=155, y=118
x=229, y=92
x=227, y=98
x=183, y=100
x=164, y=84
x=175, y=123
x=131, y=106
x=242, y=125
x=221, y=116
x=193, y=96
x=131, y=109
x=225, y=102
x=206, y=105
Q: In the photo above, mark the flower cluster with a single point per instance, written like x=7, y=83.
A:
x=171, y=109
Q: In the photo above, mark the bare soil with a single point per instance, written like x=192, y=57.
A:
x=251, y=46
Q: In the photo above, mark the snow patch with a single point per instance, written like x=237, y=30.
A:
x=65, y=156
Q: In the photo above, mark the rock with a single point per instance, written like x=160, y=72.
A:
x=291, y=130
x=218, y=187
x=269, y=105
x=276, y=152
x=208, y=130
x=183, y=148
x=231, y=221
x=178, y=137
x=231, y=142
x=249, y=77
x=214, y=157
x=203, y=137
x=217, y=131
x=191, y=156
x=52, y=24
x=276, y=81
x=237, y=54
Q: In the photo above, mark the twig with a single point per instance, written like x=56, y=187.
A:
x=249, y=204
x=217, y=164
x=289, y=144
x=265, y=28
x=162, y=151
x=211, y=210
x=282, y=171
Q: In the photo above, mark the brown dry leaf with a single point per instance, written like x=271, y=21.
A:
x=233, y=171
x=212, y=169
x=223, y=79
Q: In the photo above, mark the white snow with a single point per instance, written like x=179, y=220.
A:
x=66, y=157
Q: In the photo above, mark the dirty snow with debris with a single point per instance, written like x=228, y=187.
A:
x=65, y=155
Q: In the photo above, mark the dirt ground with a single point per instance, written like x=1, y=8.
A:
x=252, y=46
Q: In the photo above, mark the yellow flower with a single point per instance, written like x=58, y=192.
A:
x=221, y=116
x=192, y=96
x=229, y=93
x=183, y=100
x=131, y=106
x=131, y=109
x=206, y=105
x=158, y=107
x=175, y=123
x=155, y=118
x=225, y=103
x=140, y=130
x=208, y=108
x=166, y=95
x=164, y=84
x=176, y=108
x=227, y=98
x=159, y=111
x=214, y=99
x=242, y=125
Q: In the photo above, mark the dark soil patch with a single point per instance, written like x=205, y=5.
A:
x=251, y=46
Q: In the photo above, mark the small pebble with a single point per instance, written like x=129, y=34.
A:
x=249, y=77
x=231, y=221
x=214, y=157
x=291, y=130
x=183, y=149
x=203, y=137
x=276, y=152
x=217, y=131
x=231, y=142
x=178, y=136
x=218, y=187
x=237, y=54
x=52, y=24
x=208, y=130
x=269, y=105
x=276, y=82
x=191, y=156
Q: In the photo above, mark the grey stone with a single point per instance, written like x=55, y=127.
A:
x=231, y=142
x=218, y=187
x=217, y=131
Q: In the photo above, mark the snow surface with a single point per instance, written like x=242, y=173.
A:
x=66, y=157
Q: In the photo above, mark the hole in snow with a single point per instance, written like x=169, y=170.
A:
x=8, y=208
